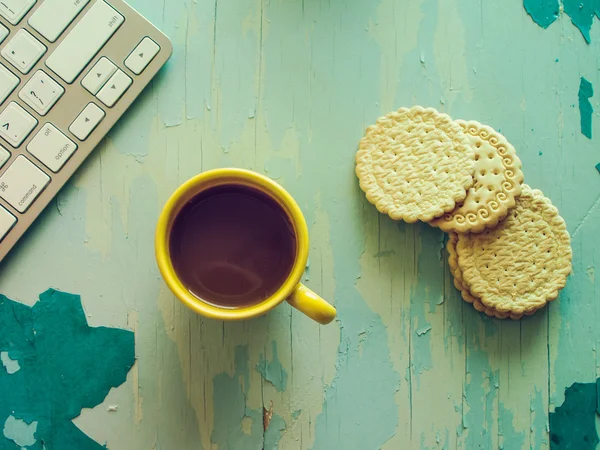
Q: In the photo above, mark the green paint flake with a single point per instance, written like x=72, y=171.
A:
x=273, y=371
x=573, y=424
x=598, y=167
x=509, y=437
x=538, y=418
x=426, y=294
x=423, y=330
x=543, y=12
x=236, y=425
x=273, y=433
x=586, y=91
x=230, y=408
x=478, y=394
x=582, y=14
x=598, y=396
x=296, y=414
x=65, y=366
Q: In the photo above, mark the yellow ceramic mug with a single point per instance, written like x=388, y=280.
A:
x=296, y=294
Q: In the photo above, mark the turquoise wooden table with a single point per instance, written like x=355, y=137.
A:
x=286, y=88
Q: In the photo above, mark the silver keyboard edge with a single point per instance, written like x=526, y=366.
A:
x=117, y=49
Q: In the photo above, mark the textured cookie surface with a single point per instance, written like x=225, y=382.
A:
x=415, y=164
x=498, y=179
x=455, y=269
x=464, y=290
x=521, y=264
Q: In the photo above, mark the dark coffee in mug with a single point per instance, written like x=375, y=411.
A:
x=232, y=246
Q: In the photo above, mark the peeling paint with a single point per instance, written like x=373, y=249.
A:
x=539, y=421
x=273, y=433
x=314, y=75
x=273, y=371
x=573, y=424
x=543, y=12
x=509, y=437
x=20, y=432
x=65, y=366
x=11, y=365
x=582, y=14
x=586, y=91
x=230, y=398
x=423, y=330
x=426, y=295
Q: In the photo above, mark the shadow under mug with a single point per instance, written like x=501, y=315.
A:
x=298, y=295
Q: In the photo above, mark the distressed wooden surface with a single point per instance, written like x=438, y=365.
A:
x=286, y=87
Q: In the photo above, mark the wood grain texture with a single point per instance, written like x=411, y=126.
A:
x=287, y=87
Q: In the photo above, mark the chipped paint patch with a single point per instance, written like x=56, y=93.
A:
x=573, y=424
x=60, y=352
x=581, y=12
x=11, y=365
x=20, y=432
x=273, y=371
x=543, y=12
x=423, y=330
x=510, y=438
x=273, y=433
x=586, y=91
x=236, y=425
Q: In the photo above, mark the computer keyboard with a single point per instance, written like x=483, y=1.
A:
x=68, y=71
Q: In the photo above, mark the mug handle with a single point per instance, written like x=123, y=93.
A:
x=306, y=301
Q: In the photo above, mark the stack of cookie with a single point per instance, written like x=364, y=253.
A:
x=509, y=249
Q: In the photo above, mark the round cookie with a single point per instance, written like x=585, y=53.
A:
x=415, y=164
x=520, y=265
x=464, y=290
x=455, y=270
x=498, y=179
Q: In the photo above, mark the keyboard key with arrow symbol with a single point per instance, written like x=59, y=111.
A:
x=142, y=56
x=99, y=75
x=87, y=121
x=115, y=88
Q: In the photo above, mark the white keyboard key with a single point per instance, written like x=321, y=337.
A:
x=23, y=50
x=4, y=156
x=22, y=183
x=8, y=83
x=3, y=33
x=99, y=75
x=41, y=92
x=7, y=221
x=143, y=55
x=51, y=147
x=14, y=10
x=54, y=16
x=16, y=124
x=114, y=89
x=87, y=121
x=84, y=41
